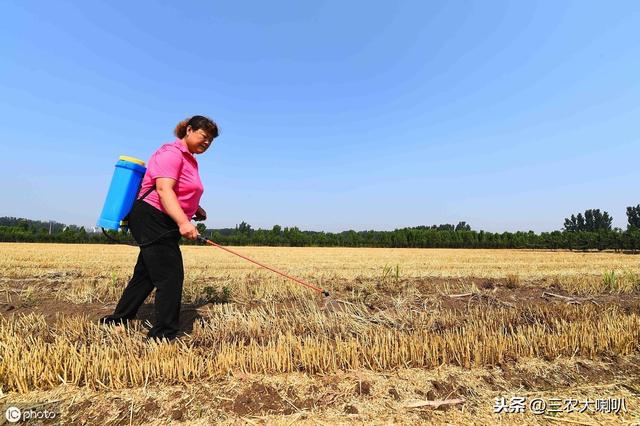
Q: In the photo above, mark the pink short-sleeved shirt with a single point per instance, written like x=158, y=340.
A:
x=173, y=160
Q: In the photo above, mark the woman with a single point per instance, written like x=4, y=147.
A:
x=169, y=196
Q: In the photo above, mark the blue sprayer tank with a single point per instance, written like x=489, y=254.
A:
x=122, y=192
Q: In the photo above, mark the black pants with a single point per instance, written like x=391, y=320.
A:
x=159, y=265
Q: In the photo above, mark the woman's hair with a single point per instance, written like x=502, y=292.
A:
x=197, y=122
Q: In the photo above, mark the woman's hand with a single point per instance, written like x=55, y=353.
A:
x=169, y=201
x=200, y=215
x=189, y=231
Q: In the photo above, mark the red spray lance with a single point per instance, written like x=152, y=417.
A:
x=298, y=280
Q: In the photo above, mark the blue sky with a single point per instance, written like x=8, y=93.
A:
x=334, y=115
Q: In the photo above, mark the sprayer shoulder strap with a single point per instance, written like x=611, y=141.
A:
x=154, y=185
x=147, y=193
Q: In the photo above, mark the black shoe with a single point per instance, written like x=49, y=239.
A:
x=160, y=339
x=169, y=338
x=109, y=320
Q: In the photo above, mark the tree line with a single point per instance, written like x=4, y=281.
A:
x=590, y=230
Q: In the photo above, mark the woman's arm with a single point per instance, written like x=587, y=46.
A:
x=169, y=201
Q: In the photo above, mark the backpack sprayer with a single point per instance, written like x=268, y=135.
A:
x=123, y=191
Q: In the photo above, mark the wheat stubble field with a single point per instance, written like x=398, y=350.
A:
x=405, y=327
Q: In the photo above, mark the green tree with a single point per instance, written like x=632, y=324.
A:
x=593, y=221
x=244, y=228
x=633, y=217
x=597, y=221
x=463, y=226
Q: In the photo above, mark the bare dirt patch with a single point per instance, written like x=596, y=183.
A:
x=258, y=399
